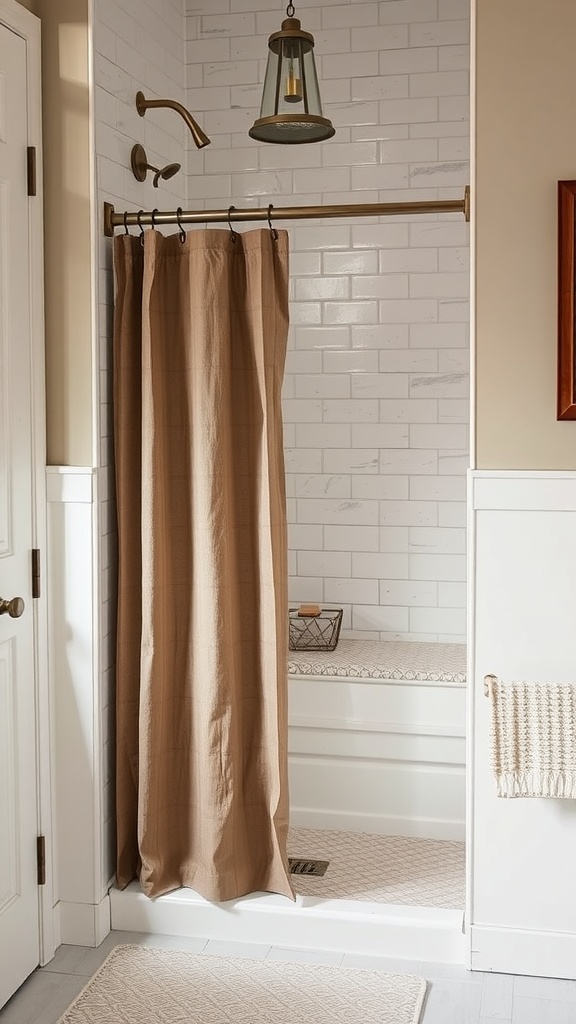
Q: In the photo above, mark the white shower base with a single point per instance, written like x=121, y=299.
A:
x=376, y=756
x=407, y=930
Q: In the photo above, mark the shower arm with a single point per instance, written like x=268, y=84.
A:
x=142, y=105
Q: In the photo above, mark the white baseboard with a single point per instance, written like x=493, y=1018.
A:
x=378, y=824
x=83, y=924
x=415, y=933
x=517, y=951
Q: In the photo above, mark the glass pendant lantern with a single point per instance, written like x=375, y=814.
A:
x=291, y=111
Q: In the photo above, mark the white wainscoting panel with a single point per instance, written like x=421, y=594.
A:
x=386, y=757
x=82, y=909
x=523, y=591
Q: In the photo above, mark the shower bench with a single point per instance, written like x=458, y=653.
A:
x=377, y=738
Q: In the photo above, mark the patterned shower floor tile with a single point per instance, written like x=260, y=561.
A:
x=381, y=869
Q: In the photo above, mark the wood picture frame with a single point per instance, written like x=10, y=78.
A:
x=566, y=301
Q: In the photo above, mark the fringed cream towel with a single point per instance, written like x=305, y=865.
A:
x=533, y=738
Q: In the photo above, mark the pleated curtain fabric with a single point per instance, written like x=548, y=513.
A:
x=199, y=351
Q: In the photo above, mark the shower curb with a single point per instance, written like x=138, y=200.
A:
x=345, y=926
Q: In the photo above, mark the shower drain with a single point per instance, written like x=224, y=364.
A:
x=301, y=866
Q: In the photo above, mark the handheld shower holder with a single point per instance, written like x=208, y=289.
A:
x=140, y=166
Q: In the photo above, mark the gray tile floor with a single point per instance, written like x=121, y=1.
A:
x=455, y=996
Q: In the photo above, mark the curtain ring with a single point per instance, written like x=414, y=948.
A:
x=273, y=230
x=179, y=223
x=154, y=212
x=126, y=232
x=233, y=234
x=138, y=216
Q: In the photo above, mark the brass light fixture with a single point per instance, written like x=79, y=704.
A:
x=291, y=111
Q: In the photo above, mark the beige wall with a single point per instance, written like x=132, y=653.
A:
x=526, y=141
x=68, y=253
x=30, y=5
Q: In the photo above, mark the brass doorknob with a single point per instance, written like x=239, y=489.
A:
x=13, y=608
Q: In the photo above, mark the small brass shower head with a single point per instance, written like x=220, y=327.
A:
x=140, y=167
x=200, y=137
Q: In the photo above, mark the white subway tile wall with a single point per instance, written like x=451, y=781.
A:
x=138, y=44
x=375, y=399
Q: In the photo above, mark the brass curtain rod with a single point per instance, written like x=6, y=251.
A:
x=145, y=218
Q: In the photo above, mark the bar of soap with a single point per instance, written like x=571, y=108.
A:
x=309, y=609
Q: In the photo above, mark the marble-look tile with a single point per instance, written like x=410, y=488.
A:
x=528, y=1010
x=66, y=959
x=253, y=950
x=181, y=942
x=452, y=972
x=454, y=996
x=92, y=958
x=42, y=999
x=544, y=988
x=497, y=997
x=327, y=958
x=452, y=1002
x=387, y=965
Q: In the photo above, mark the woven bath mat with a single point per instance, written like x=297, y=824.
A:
x=143, y=985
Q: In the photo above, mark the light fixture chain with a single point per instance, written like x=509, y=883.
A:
x=290, y=10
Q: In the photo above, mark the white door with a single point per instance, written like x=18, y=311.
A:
x=19, y=913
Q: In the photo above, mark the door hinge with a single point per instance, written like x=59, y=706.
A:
x=41, y=859
x=31, y=169
x=35, y=572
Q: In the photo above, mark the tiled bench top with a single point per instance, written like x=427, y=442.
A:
x=391, y=659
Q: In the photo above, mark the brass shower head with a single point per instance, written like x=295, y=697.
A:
x=200, y=137
x=140, y=166
x=168, y=172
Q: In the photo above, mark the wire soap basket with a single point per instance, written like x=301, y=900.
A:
x=312, y=628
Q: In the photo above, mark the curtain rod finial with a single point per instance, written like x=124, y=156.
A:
x=108, y=223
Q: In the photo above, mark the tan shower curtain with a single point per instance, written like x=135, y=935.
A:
x=200, y=342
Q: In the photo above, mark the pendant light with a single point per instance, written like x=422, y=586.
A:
x=291, y=111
